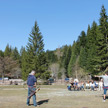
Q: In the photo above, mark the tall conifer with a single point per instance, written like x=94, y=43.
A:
x=102, y=42
x=35, y=51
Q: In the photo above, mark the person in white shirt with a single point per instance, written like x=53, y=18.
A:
x=92, y=85
x=100, y=85
x=87, y=85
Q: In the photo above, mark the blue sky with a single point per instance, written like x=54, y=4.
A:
x=60, y=21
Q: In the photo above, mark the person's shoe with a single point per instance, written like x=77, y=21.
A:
x=28, y=104
x=104, y=100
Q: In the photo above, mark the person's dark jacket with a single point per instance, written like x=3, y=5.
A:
x=31, y=80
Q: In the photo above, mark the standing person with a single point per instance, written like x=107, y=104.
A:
x=105, y=84
x=31, y=82
x=100, y=85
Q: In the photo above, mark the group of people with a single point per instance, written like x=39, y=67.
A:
x=92, y=85
x=75, y=85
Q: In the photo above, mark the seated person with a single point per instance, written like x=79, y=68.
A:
x=92, y=85
x=96, y=85
x=72, y=84
x=75, y=85
x=82, y=86
x=87, y=85
x=69, y=87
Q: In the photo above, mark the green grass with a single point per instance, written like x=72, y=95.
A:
x=51, y=96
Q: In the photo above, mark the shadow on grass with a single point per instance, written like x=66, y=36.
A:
x=43, y=101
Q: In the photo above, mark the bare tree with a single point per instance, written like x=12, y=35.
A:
x=58, y=53
x=54, y=68
x=7, y=66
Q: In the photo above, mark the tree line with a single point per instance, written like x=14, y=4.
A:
x=87, y=55
x=90, y=52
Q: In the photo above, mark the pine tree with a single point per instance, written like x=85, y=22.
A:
x=7, y=51
x=102, y=43
x=72, y=59
x=24, y=63
x=36, y=58
x=34, y=47
x=91, y=47
x=67, y=60
x=1, y=53
x=15, y=54
x=82, y=39
x=51, y=57
x=64, y=50
x=82, y=58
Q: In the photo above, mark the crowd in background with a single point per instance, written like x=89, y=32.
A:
x=76, y=85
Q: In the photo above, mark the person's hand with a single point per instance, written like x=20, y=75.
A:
x=34, y=86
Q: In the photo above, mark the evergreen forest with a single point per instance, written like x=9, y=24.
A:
x=87, y=55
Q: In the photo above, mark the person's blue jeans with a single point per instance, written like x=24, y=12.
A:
x=82, y=87
x=92, y=88
x=105, y=89
x=31, y=89
x=69, y=88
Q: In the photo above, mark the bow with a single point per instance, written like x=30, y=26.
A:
x=33, y=92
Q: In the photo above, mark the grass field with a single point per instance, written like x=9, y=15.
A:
x=51, y=96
